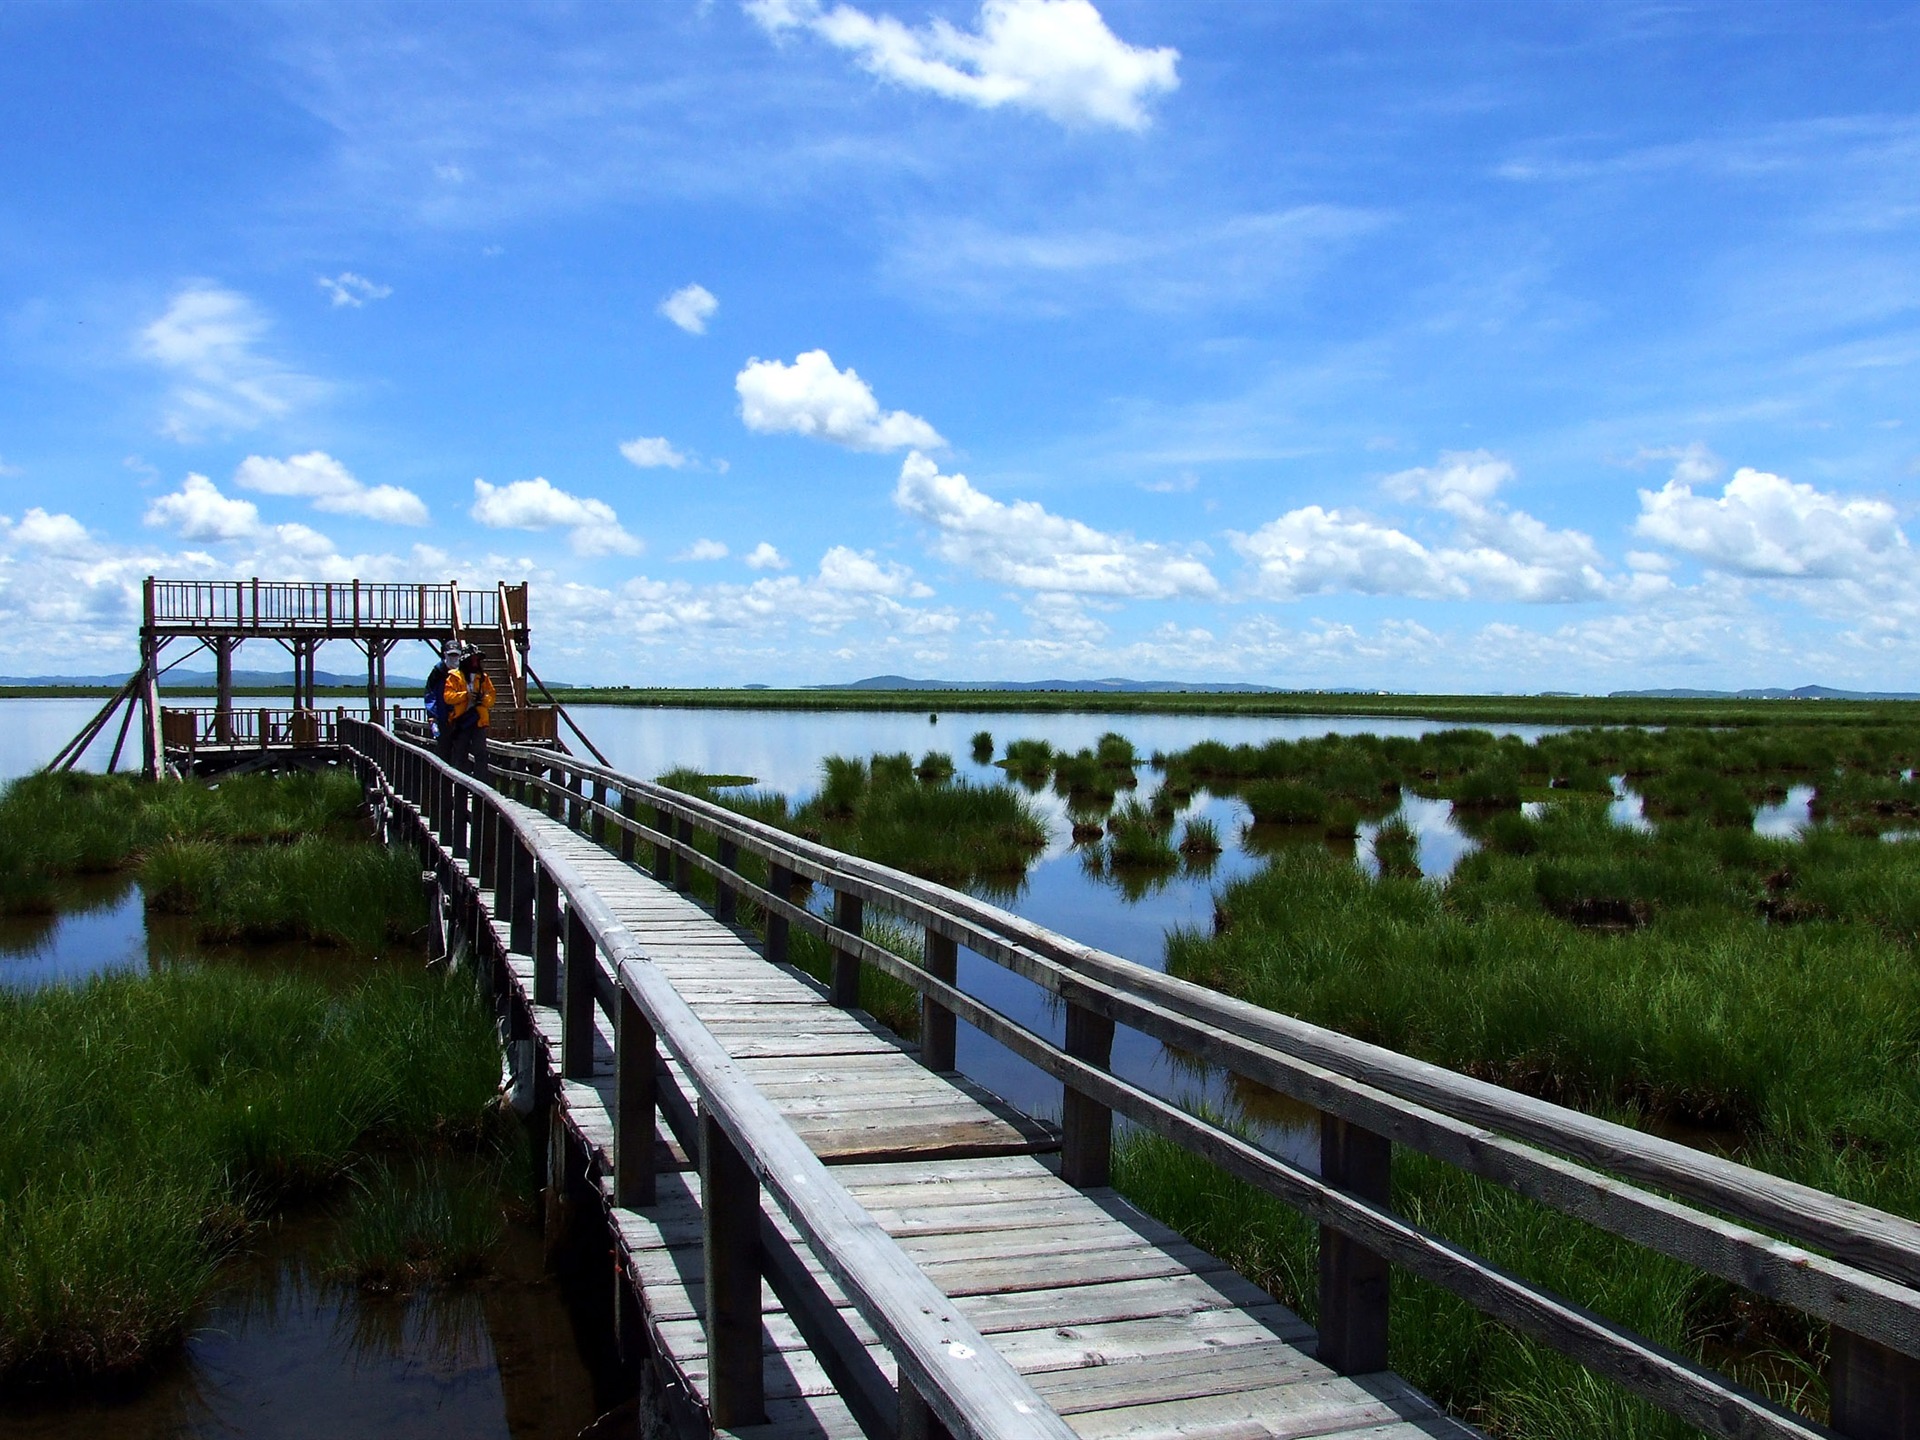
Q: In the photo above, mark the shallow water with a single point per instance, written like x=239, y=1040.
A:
x=278, y=1351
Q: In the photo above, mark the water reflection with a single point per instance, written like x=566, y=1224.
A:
x=1788, y=819
x=280, y=1351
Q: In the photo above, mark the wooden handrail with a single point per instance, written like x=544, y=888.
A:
x=1864, y=1285
x=942, y=1359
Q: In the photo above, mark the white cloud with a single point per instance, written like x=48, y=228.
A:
x=347, y=288
x=812, y=397
x=690, y=307
x=199, y=511
x=764, y=557
x=652, y=452
x=703, y=550
x=536, y=505
x=1023, y=544
x=59, y=533
x=209, y=340
x=1764, y=525
x=842, y=568
x=7, y=472
x=1494, y=552
x=318, y=477
x=1056, y=57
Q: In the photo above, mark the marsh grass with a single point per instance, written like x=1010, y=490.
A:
x=890, y=1000
x=318, y=889
x=146, y=1122
x=419, y=1221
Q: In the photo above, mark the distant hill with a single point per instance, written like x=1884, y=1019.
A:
x=1110, y=687
x=1805, y=692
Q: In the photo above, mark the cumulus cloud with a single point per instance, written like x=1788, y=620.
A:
x=199, y=511
x=1494, y=552
x=1023, y=544
x=209, y=341
x=843, y=568
x=537, y=505
x=1767, y=526
x=58, y=533
x=318, y=477
x=690, y=307
x=703, y=550
x=812, y=397
x=764, y=557
x=1055, y=57
x=652, y=452
x=349, y=289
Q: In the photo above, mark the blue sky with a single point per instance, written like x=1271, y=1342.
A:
x=1420, y=346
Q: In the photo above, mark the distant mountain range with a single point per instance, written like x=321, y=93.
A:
x=204, y=679
x=1805, y=692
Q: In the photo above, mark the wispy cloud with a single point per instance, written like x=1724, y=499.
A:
x=350, y=290
x=209, y=340
x=1054, y=57
x=652, y=452
x=318, y=477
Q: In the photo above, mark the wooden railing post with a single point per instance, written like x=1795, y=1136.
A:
x=577, y=1029
x=780, y=882
x=936, y=1021
x=459, y=809
x=682, y=866
x=483, y=842
x=730, y=1210
x=599, y=824
x=1086, y=1126
x=917, y=1420
x=546, y=940
x=636, y=1052
x=520, y=921
x=503, y=848
x=726, y=900
x=629, y=807
x=662, y=855
x=1875, y=1390
x=1353, y=1279
x=847, y=916
x=576, y=797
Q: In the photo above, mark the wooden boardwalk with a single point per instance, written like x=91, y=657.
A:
x=1123, y=1327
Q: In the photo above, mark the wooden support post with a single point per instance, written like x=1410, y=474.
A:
x=1353, y=1279
x=1876, y=1390
x=577, y=1029
x=636, y=1051
x=504, y=844
x=917, y=1420
x=726, y=900
x=847, y=915
x=936, y=1021
x=730, y=1210
x=1086, y=1126
x=553, y=804
x=780, y=882
x=599, y=823
x=483, y=839
x=520, y=920
x=460, y=807
x=223, y=648
x=576, y=796
x=662, y=856
x=546, y=940
x=682, y=866
x=629, y=807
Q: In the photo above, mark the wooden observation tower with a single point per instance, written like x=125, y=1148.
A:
x=218, y=616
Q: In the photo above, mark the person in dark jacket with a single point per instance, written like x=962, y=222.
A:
x=469, y=699
x=436, y=701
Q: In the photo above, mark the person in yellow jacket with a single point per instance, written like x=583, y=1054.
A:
x=469, y=697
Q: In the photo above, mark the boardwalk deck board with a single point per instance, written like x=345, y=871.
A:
x=1128, y=1330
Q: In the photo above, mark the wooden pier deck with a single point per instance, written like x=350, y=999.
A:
x=826, y=1231
x=1123, y=1327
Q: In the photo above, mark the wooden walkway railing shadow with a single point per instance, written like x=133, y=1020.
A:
x=765, y=1076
